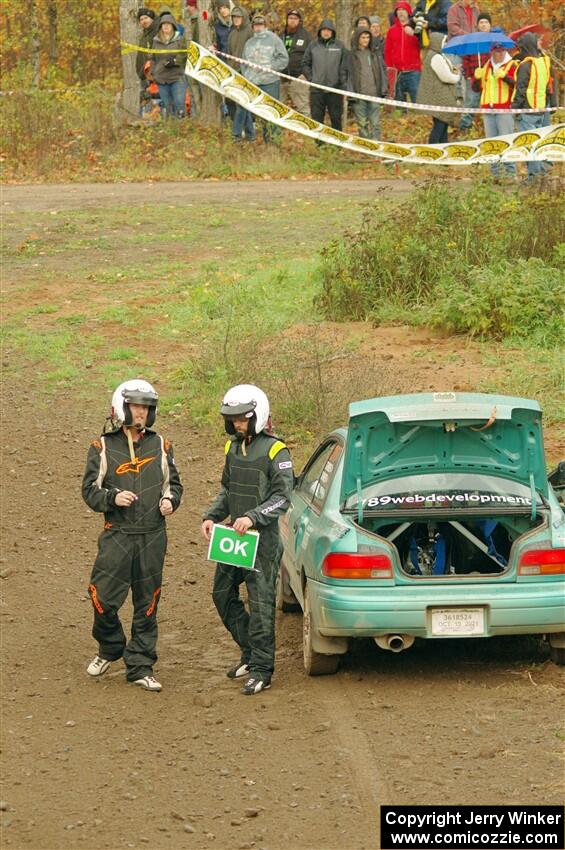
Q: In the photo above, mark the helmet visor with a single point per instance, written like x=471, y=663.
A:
x=140, y=397
x=244, y=409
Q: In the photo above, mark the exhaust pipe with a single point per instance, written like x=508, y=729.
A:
x=395, y=643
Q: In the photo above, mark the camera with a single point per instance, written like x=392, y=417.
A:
x=419, y=20
x=171, y=63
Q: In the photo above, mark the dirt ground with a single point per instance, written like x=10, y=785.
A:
x=78, y=195
x=101, y=764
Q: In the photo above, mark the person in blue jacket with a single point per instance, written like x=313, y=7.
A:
x=223, y=26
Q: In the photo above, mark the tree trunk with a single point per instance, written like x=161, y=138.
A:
x=53, y=41
x=128, y=100
x=344, y=13
x=210, y=110
x=35, y=63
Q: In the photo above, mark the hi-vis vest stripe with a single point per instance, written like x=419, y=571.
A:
x=424, y=34
x=495, y=90
x=275, y=449
x=539, y=80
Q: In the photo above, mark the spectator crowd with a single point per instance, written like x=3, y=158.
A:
x=408, y=62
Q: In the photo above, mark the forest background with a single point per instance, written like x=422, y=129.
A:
x=76, y=42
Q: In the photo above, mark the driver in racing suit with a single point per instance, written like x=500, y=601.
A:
x=132, y=478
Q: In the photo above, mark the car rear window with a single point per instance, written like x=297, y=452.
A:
x=445, y=490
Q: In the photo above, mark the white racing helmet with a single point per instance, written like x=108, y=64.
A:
x=249, y=401
x=135, y=391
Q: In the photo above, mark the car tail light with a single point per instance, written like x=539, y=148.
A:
x=353, y=565
x=542, y=562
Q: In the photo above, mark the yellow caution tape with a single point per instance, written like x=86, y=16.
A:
x=134, y=48
x=544, y=143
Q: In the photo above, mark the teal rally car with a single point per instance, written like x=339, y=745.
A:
x=429, y=516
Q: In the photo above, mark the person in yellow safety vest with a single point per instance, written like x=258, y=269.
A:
x=496, y=80
x=545, y=57
x=533, y=91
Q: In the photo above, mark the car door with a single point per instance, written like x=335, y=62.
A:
x=307, y=503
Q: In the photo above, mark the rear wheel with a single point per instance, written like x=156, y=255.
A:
x=557, y=655
x=285, y=600
x=315, y=664
x=557, y=648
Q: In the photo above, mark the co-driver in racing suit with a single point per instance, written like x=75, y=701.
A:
x=256, y=487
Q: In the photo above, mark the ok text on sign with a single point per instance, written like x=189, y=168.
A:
x=229, y=547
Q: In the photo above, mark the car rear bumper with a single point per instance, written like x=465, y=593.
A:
x=509, y=609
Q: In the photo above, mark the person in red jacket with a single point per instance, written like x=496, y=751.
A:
x=402, y=53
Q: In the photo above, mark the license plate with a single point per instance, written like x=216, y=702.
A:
x=458, y=622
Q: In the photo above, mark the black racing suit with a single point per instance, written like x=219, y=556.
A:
x=257, y=482
x=132, y=546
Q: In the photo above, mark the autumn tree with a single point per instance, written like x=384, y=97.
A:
x=76, y=42
x=210, y=107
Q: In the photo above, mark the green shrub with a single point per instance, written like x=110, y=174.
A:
x=42, y=130
x=525, y=299
x=408, y=260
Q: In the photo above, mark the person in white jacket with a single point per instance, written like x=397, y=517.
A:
x=438, y=87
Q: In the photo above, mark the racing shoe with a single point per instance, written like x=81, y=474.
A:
x=256, y=684
x=239, y=670
x=98, y=666
x=149, y=683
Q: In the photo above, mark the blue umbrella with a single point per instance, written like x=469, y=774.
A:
x=477, y=42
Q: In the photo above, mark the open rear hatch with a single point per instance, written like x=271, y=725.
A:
x=452, y=480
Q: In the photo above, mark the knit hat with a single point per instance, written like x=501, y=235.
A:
x=149, y=13
x=484, y=16
x=259, y=19
x=167, y=18
x=374, y=19
x=294, y=12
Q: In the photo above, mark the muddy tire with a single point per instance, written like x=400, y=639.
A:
x=557, y=648
x=557, y=655
x=315, y=664
x=285, y=600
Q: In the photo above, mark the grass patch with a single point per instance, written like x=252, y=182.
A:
x=44, y=309
x=197, y=314
x=534, y=373
x=122, y=354
x=232, y=317
x=75, y=133
x=215, y=302
x=72, y=320
x=58, y=356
